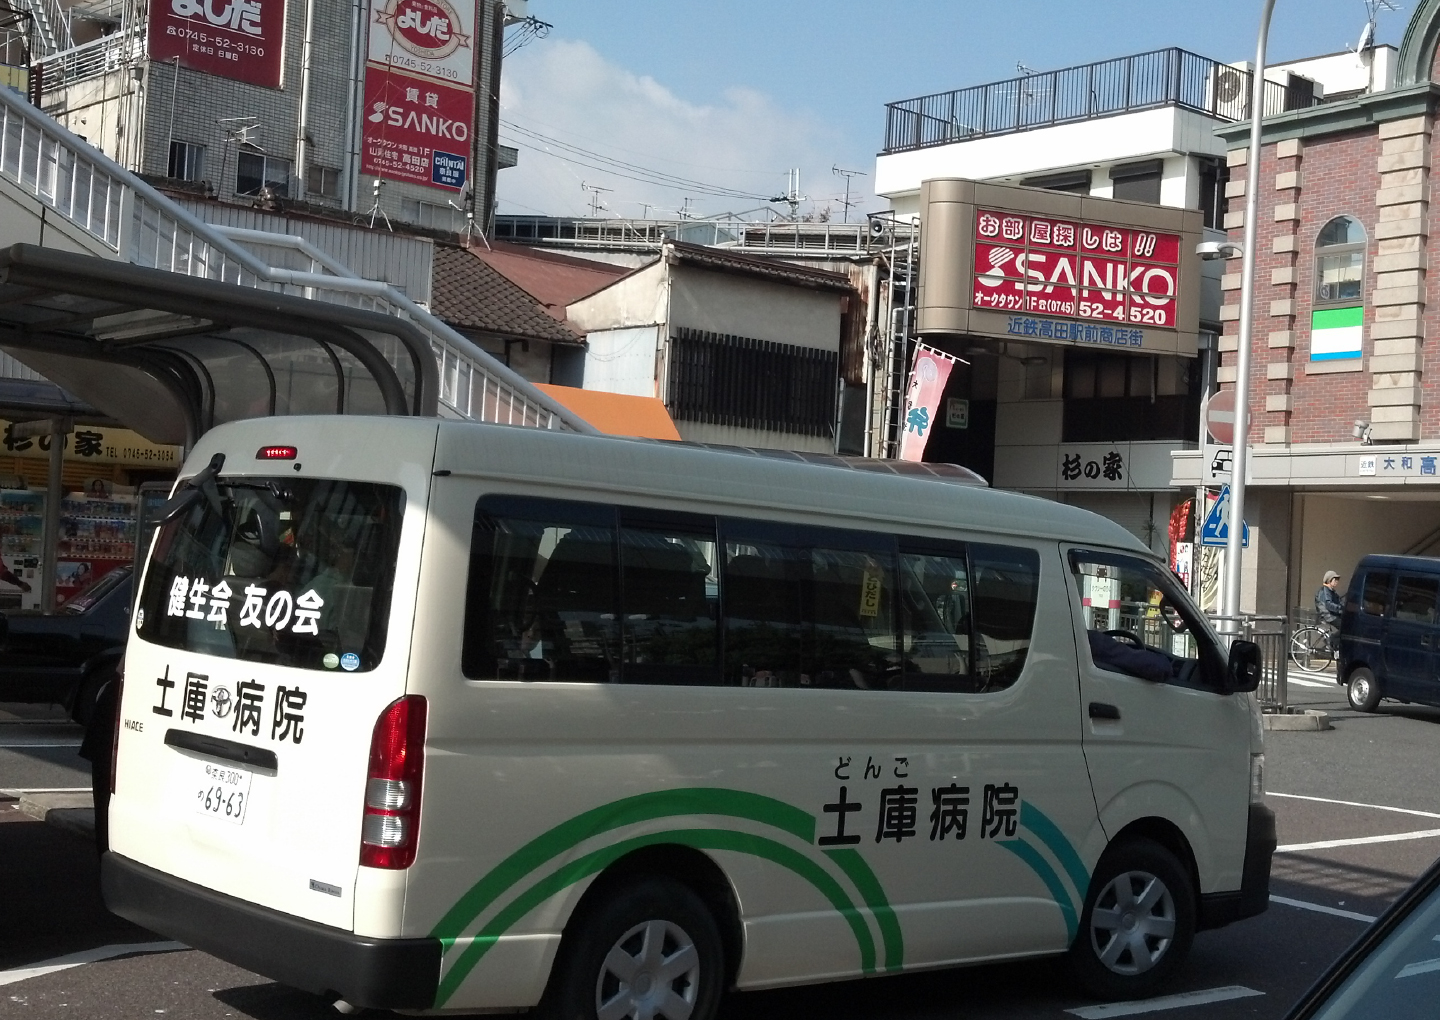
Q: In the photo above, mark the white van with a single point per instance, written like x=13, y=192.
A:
x=435, y=715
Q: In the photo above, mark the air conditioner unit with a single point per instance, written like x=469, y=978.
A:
x=1227, y=90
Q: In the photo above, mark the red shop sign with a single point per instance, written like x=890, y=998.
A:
x=416, y=129
x=243, y=40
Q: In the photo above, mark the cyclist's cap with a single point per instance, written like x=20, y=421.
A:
x=1331, y=575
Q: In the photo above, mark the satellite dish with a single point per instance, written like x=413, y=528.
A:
x=1367, y=37
x=1229, y=85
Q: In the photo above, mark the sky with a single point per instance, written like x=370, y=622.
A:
x=724, y=98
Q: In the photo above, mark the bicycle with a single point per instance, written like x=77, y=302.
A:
x=1313, y=648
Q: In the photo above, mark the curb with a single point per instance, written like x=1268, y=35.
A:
x=1309, y=720
x=70, y=812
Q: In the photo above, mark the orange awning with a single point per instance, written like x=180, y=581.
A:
x=617, y=414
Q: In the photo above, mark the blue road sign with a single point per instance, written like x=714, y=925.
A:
x=1216, y=529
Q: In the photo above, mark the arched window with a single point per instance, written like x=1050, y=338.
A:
x=1340, y=263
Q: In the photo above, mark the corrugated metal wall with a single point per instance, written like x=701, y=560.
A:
x=403, y=262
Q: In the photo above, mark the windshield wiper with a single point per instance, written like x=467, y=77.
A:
x=201, y=485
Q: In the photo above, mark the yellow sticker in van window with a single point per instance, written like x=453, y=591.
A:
x=870, y=586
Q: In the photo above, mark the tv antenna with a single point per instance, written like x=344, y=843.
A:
x=595, y=190
x=847, y=174
x=1367, y=35
x=470, y=227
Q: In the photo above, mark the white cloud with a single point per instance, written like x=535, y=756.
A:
x=742, y=140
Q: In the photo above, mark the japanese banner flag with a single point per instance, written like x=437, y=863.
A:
x=922, y=401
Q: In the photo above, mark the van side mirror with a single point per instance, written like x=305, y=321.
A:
x=1243, y=673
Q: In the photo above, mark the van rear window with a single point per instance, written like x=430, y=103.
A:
x=294, y=572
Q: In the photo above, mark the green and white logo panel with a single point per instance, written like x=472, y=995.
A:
x=1336, y=333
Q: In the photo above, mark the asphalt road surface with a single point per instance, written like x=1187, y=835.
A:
x=1359, y=819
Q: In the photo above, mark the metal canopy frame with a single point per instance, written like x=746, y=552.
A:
x=198, y=339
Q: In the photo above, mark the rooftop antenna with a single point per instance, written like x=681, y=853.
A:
x=470, y=227
x=792, y=196
x=847, y=174
x=1367, y=34
x=684, y=209
x=595, y=204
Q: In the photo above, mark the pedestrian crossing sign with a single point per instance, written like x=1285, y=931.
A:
x=1216, y=529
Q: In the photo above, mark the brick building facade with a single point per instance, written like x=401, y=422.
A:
x=1345, y=432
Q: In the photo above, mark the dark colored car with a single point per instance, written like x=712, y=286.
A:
x=1392, y=971
x=63, y=659
x=1390, y=632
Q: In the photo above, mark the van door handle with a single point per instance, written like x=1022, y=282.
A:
x=1100, y=710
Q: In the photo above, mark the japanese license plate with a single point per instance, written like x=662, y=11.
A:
x=222, y=791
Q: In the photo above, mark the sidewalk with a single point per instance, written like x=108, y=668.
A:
x=70, y=812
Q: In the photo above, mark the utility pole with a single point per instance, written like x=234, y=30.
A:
x=847, y=174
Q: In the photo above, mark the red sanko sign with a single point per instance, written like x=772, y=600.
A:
x=1077, y=270
x=416, y=129
x=243, y=40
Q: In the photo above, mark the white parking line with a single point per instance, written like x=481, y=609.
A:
x=1330, y=844
x=1109, y=1009
x=9, y=977
x=45, y=789
x=1311, y=683
x=1320, y=908
x=1355, y=803
x=68, y=743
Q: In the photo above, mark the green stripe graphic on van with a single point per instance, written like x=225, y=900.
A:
x=700, y=839
x=859, y=873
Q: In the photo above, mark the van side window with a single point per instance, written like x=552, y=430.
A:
x=808, y=607
x=935, y=614
x=670, y=577
x=542, y=600
x=1139, y=623
x=1375, y=594
x=1415, y=598
x=1006, y=585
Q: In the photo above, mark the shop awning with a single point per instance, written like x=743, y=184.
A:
x=171, y=356
x=617, y=414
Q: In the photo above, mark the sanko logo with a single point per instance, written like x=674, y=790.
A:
x=425, y=123
x=427, y=28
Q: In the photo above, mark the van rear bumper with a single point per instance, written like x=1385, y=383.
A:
x=368, y=972
x=1218, y=909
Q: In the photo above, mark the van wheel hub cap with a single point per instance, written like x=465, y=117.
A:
x=1132, y=923
x=652, y=971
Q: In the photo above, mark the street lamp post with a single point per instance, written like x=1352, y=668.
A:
x=1230, y=589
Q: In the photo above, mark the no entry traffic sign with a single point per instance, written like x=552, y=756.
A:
x=1220, y=417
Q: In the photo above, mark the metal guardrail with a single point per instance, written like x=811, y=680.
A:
x=1272, y=634
x=1167, y=77
x=139, y=225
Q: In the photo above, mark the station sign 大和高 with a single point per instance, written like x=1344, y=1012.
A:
x=243, y=40
x=419, y=109
x=1046, y=267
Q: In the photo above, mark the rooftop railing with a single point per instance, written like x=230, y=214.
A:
x=779, y=237
x=1168, y=77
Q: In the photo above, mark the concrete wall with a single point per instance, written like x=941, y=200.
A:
x=640, y=299
x=752, y=307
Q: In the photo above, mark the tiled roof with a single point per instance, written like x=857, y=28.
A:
x=469, y=294
x=552, y=279
x=725, y=261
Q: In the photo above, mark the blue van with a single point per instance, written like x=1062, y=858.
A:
x=1390, y=632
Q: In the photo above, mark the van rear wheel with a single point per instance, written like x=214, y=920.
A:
x=1138, y=922
x=647, y=951
x=1362, y=690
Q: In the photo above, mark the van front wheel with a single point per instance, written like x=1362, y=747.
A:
x=1362, y=690
x=649, y=950
x=1138, y=922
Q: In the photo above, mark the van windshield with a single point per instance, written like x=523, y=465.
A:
x=294, y=572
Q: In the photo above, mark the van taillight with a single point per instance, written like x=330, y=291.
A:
x=391, y=825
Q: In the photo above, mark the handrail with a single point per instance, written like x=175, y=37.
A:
x=1164, y=77
x=128, y=217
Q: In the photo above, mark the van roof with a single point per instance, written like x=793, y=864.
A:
x=1429, y=563
x=740, y=480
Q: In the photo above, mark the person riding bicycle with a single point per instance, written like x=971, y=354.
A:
x=1328, y=604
